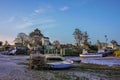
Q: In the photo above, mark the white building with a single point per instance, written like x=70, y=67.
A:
x=45, y=41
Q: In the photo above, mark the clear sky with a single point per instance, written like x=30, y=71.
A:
x=57, y=19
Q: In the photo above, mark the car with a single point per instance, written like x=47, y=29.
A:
x=12, y=52
x=21, y=50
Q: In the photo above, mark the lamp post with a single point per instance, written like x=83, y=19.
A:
x=106, y=40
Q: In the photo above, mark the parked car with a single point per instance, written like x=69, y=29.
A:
x=21, y=50
x=12, y=52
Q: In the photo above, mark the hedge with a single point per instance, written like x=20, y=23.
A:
x=117, y=53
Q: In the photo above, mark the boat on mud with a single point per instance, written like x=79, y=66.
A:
x=100, y=53
x=60, y=65
x=58, y=62
x=90, y=55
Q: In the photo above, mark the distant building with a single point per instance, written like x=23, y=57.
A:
x=56, y=44
x=114, y=47
x=101, y=45
x=70, y=46
x=45, y=41
x=104, y=45
x=36, y=38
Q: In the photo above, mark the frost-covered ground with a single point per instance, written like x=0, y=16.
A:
x=11, y=69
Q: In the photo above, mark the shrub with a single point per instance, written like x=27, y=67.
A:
x=117, y=53
x=93, y=47
x=70, y=52
x=1, y=48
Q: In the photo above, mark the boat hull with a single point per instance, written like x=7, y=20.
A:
x=60, y=65
x=90, y=55
x=58, y=62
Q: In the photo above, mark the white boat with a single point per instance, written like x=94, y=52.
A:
x=90, y=55
x=85, y=54
x=53, y=56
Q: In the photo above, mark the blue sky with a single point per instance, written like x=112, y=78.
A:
x=58, y=19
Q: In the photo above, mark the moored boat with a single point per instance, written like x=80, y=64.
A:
x=90, y=55
x=58, y=62
x=60, y=65
x=53, y=56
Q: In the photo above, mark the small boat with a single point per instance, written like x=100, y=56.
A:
x=58, y=62
x=60, y=65
x=90, y=55
x=53, y=56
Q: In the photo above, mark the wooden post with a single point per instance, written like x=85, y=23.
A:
x=56, y=51
x=51, y=51
x=30, y=62
x=61, y=52
x=64, y=51
x=48, y=51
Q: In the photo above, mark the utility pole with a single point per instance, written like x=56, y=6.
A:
x=106, y=40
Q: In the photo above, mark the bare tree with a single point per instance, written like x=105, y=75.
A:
x=85, y=36
x=22, y=38
x=99, y=45
x=114, y=43
x=85, y=40
x=78, y=36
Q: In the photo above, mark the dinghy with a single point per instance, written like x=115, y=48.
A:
x=60, y=65
x=58, y=62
